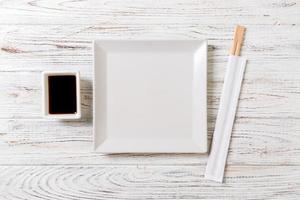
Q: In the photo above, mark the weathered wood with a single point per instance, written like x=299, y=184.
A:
x=40, y=35
x=148, y=182
x=168, y=12
x=71, y=44
x=43, y=142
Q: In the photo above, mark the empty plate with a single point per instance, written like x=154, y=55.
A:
x=150, y=96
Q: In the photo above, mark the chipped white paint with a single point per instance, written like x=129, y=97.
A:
x=49, y=159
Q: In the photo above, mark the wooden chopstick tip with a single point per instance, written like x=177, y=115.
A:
x=241, y=28
x=237, y=40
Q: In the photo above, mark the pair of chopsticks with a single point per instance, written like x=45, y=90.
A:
x=237, y=40
x=228, y=104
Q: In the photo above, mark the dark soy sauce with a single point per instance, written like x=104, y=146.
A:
x=62, y=94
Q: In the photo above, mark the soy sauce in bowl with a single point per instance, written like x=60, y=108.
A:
x=62, y=94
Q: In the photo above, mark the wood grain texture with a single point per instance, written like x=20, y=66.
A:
x=49, y=159
x=148, y=182
x=42, y=142
x=122, y=12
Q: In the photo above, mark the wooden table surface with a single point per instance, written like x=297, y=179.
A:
x=50, y=159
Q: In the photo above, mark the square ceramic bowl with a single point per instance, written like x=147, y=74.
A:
x=61, y=95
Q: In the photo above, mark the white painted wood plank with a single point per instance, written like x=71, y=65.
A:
x=264, y=95
x=43, y=142
x=148, y=12
x=72, y=44
x=147, y=182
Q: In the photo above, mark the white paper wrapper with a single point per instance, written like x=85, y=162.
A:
x=225, y=119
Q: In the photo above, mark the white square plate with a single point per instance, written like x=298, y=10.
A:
x=150, y=96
